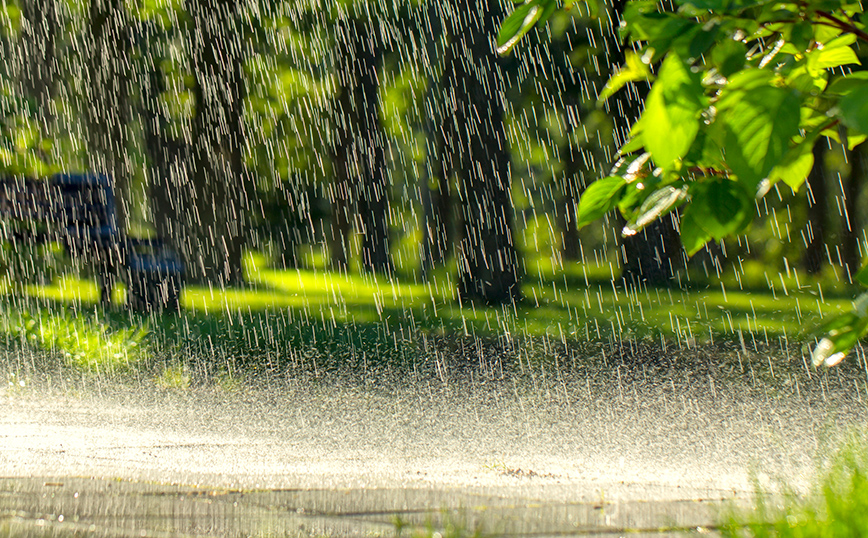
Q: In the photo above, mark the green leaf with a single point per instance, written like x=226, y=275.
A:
x=693, y=236
x=658, y=29
x=728, y=56
x=635, y=193
x=518, y=23
x=841, y=334
x=795, y=166
x=599, y=198
x=835, y=54
x=725, y=206
x=801, y=34
x=719, y=6
x=634, y=69
x=849, y=83
x=661, y=202
x=853, y=109
x=634, y=143
x=549, y=7
x=671, y=116
x=862, y=276
x=759, y=122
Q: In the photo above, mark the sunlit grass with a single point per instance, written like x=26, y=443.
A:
x=836, y=506
x=581, y=303
x=82, y=341
x=307, y=316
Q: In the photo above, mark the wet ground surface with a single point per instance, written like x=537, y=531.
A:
x=601, y=452
x=80, y=506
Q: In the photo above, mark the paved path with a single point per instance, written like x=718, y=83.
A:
x=341, y=460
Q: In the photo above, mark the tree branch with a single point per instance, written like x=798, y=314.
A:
x=847, y=27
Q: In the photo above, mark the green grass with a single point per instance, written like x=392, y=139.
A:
x=338, y=317
x=83, y=342
x=835, y=507
x=581, y=303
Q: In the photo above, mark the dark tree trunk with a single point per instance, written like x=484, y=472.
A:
x=39, y=67
x=488, y=265
x=340, y=196
x=105, y=102
x=359, y=153
x=568, y=204
x=106, y=97
x=852, y=223
x=439, y=217
x=216, y=219
x=166, y=153
x=815, y=252
x=437, y=203
x=652, y=256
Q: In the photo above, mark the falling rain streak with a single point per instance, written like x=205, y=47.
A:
x=349, y=230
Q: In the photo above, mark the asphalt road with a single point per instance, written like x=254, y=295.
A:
x=353, y=459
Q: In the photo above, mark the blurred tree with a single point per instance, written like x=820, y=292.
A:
x=104, y=98
x=852, y=221
x=218, y=216
x=164, y=143
x=287, y=113
x=27, y=87
x=439, y=222
x=478, y=153
x=816, y=251
x=39, y=68
x=361, y=183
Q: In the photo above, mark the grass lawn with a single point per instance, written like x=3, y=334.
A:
x=581, y=303
x=343, y=319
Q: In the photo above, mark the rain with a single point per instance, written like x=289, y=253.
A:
x=317, y=268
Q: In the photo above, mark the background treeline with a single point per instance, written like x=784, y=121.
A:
x=362, y=136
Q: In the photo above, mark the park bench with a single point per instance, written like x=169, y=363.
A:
x=77, y=211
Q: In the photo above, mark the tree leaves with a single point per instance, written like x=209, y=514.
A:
x=759, y=121
x=600, y=198
x=718, y=208
x=744, y=91
x=528, y=14
x=634, y=69
x=517, y=24
x=853, y=108
x=671, y=117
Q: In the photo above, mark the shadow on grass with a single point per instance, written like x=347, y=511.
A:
x=315, y=320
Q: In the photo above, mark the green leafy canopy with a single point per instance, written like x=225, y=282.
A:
x=743, y=90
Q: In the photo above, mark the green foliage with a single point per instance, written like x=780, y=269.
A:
x=744, y=89
x=837, y=507
x=85, y=344
x=23, y=147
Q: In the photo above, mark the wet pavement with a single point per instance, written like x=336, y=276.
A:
x=38, y=506
x=653, y=459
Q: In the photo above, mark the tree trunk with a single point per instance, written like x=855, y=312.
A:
x=39, y=67
x=488, y=265
x=815, y=252
x=852, y=224
x=166, y=154
x=359, y=156
x=106, y=98
x=437, y=214
x=340, y=196
x=216, y=219
x=566, y=211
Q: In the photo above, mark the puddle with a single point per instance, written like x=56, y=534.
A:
x=118, y=508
